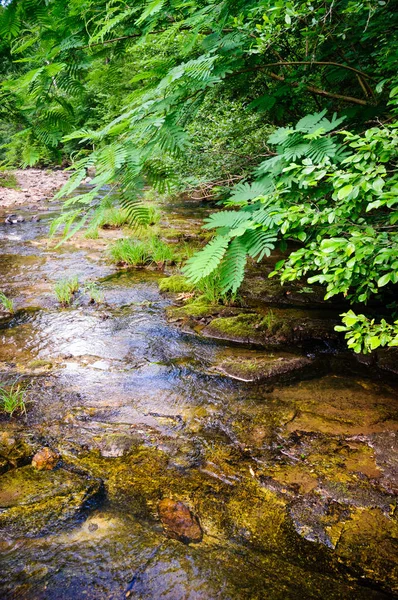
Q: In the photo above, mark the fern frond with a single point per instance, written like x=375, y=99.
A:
x=259, y=243
x=244, y=192
x=138, y=214
x=207, y=260
x=232, y=269
x=226, y=218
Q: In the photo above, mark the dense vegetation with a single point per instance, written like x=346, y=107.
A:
x=286, y=111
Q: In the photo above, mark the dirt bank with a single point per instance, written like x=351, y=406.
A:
x=34, y=186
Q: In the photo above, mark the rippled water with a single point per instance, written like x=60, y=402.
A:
x=124, y=383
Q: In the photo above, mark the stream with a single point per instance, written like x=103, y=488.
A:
x=292, y=482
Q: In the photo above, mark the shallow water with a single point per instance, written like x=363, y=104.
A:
x=278, y=476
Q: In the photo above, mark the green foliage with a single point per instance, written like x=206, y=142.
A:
x=12, y=399
x=176, y=284
x=133, y=252
x=364, y=334
x=8, y=180
x=211, y=290
x=336, y=195
x=95, y=294
x=6, y=303
x=65, y=290
x=161, y=86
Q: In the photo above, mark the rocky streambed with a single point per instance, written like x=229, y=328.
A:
x=187, y=450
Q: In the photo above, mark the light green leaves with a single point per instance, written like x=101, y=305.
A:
x=365, y=335
x=154, y=6
x=344, y=192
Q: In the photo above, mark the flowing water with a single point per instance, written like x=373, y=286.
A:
x=292, y=484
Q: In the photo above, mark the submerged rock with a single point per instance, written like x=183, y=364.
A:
x=178, y=521
x=254, y=366
x=14, y=452
x=13, y=219
x=45, y=459
x=34, y=502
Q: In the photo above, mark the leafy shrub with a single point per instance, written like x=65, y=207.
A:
x=336, y=194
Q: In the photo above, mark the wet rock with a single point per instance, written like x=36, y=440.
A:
x=258, y=289
x=178, y=521
x=254, y=366
x=45, y=459
x=14, y=451
x=275, y=327
x=14, y=219
x=34, y=502
x=367, y=544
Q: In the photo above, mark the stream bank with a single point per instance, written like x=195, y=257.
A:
x=280, y=446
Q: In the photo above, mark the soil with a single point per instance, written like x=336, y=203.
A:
x=35, y=186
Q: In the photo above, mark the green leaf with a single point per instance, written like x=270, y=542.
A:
x=374, y=342
x=344, y=191
x=384, y=280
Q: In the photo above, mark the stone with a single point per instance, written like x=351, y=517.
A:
x=275, y=327
x=45, y=459
x=178, y=521
x=14, y=451
x=250, y=366
x=34, y=503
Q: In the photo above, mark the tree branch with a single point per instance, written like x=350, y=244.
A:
x=320, y=92
x=316, y=62
x=310, y=88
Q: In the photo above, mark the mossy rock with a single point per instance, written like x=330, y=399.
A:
x=253, y=366
x=176, y=284
x=275, y=327
x=35, y=502
x=14, y=451
x=368, y=544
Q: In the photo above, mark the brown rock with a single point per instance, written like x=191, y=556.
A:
x=178, y=521
x=45, y=459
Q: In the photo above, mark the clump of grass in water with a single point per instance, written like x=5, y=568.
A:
x=6, y=303
x=65, y=290
x=95, y=294
x=138, y=253
x=12, y=400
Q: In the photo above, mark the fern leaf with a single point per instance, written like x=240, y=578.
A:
x=243, y=192
x=232, y=270
x=207, y=260
x=226, y=218
x=137, y=212
x=310, y=122
x=259, y=243
x=153, y=7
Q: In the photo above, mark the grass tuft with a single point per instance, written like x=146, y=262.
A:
x=65, y=290
x=6, y=303
x=95, y=294
x=139, y=253
x=8, y=180
x=210, y=289
x=12, y=399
